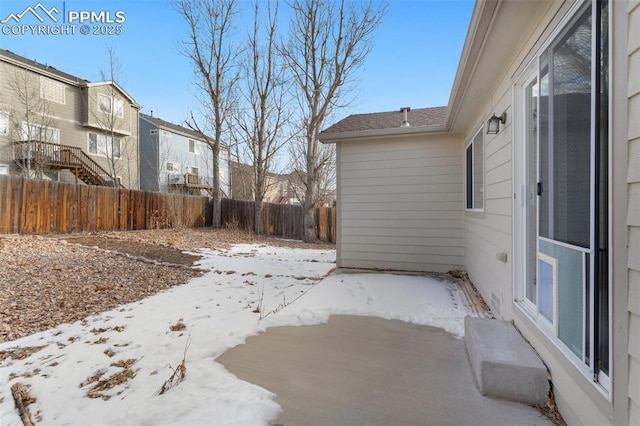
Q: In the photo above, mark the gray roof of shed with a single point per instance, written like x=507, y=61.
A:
x=418, y=117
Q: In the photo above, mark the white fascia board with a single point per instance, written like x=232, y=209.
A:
x=380, y=133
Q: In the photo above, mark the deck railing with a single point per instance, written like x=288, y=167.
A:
x=53, y=155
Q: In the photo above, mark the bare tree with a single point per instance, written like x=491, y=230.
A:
x=328, y=42
x=261, y=125
x=212, y=53
x=326, y=177
x=31, y=126
x=107, y=109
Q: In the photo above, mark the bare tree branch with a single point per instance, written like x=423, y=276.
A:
x=328, y=42
x=262, y=117
x=30, y=123
x=211, y=51
x=109, y=116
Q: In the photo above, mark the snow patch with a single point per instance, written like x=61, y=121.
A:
x=247, y=288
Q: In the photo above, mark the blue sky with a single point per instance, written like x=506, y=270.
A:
x=413, y=61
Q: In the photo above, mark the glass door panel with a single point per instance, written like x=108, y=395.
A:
x=564, y=186
x=531, y=178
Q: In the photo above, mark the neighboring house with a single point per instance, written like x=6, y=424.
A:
x=544, y=212
x=281, y=188
x=174, y=158
x=56, y=126
x=297, y=185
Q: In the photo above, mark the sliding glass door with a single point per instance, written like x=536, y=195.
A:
x=565, y=189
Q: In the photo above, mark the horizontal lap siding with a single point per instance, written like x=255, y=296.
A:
x=633, y=217
x=489, y=232
x=400, y=204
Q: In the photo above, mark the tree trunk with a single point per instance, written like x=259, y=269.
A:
x=257, y=225
x=309, y=221
x=217, y=211
x=310, y=196
x=216, y=221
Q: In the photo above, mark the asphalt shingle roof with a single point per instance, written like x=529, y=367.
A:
x=171, y=126
x=46, y=68
x=417, y=117
x=50, y=71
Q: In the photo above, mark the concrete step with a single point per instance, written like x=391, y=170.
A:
x=503, y=363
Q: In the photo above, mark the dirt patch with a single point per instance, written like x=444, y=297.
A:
x=45, y=282
x=135, y=248
x=190, y=239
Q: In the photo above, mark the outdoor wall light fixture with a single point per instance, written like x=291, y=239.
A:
x=493, y=125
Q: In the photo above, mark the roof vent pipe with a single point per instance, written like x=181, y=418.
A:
x=405, y=122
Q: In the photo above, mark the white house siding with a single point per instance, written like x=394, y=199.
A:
x=633, y=220
x=490, y=232
x=401, y=203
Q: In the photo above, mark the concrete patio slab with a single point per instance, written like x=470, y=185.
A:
x=364, y=370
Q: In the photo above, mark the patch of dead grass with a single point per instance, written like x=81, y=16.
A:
x=101, y=386
x=178, y=326
x=19, y=353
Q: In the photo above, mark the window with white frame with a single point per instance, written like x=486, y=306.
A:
x=172, y=167
x=118, y=107
x=52, y=90
x=115, y=146
x=36, y=132
x=103, y=145
x=110, y=105
x=51, y=175
x=474, y=172
x=104, y=103
x=192, y=146
x=193, y=170
x=4, y=123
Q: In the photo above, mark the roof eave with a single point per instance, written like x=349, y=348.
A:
x=479, y=25
x=42, y=69
x=188, y=133
x=117, y=86
x=492, y=51
x=334, y=137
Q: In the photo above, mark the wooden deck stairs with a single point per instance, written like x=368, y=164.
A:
x=53, y=156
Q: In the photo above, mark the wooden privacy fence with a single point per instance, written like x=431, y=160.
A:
x=30, y=206
x=281, y=220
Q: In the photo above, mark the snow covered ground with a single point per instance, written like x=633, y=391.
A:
x=110, y=368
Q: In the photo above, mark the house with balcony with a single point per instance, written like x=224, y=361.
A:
x=174, y=158
x=57, y=126
x=281, y=188
x=528, y=180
